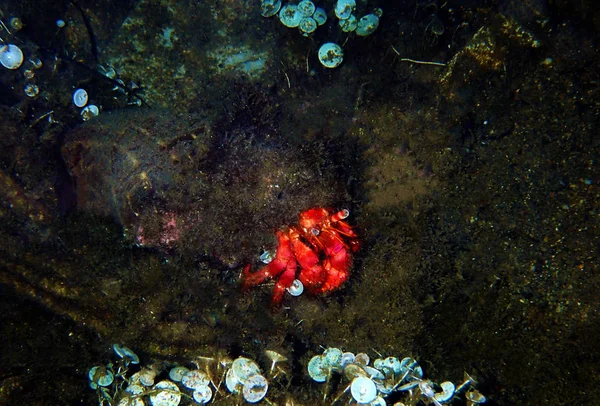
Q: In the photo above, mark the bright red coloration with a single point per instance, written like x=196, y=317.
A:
x=317, y=251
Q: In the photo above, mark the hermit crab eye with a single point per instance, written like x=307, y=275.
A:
x=315, y=231
x=345, y=213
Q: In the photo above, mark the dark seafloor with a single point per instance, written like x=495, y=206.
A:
x=474, y=188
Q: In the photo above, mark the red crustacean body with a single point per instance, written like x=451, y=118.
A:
x=317, y=251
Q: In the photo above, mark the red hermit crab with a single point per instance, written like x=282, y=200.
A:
x=317, y=252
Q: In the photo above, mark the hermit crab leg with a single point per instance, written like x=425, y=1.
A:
x=341, y=226
x=340, y=215
x=336, y=267
x=337, y=235
x=312, y=274
x=284, y=282
x=283, y=256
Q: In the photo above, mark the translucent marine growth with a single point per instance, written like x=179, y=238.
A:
x=128, y=356
x=11, y=56
x=307, y=25
x=306, y=8
x=367, y=384
x=290, y=16
x=331, y=55
x=367, y=25
x=116, y=384
x=268, y=8
x=217, y=379
x=307, y=17
x=344, y=9
x=363, y=389
x=245, y=377
x=80, y=97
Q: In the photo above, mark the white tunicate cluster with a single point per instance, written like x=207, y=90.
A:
x=165, y=393
x=266, y=257
x=306, y=8
x=80, y=97
x=199, y=382
x=100, y=376
x=349, y=24
x=244, y=376
x=133, y=389
x=103, y=376
x=203, y=394
x=11, y=56
x=366, y=383
x=344, y=9
x=307, y=17
x=304, y=15
x=320, y=16
x=307, y=25
x=371, y=384
x=321, y=367
x=367, y=25
x=16, y=24
x=289, y=16
x=268, y=8
x=363, y=389
x=31, y=90
x=89, y=111
x=195, y=379
x=131, y=401
x=176, y=373
x=126, y=354
x=145, y=376
x=296, y=288
x=255, y=388
x=331, y=55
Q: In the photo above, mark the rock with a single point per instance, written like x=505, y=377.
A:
x=215, y=188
